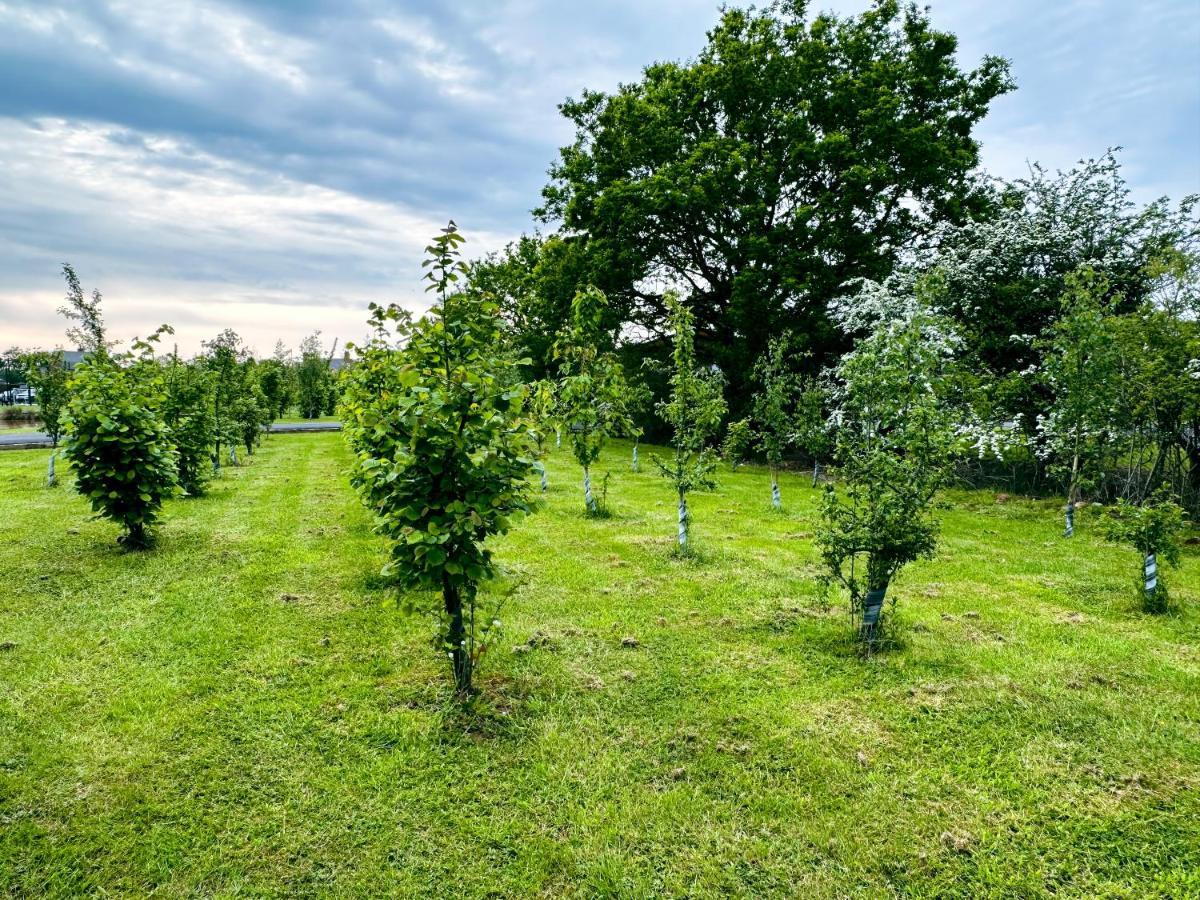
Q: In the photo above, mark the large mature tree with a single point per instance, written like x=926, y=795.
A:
x=792, y=156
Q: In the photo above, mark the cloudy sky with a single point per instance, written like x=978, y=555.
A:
x=272, y=166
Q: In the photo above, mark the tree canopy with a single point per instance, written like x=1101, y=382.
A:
x=792, y=156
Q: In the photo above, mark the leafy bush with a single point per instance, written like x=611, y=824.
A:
x=188, y=413
x=118, y=444
x=443, y=453
x=1154, y=530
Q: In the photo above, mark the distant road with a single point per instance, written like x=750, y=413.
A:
x=31, y=440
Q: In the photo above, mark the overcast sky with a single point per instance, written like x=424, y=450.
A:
x=273, y=166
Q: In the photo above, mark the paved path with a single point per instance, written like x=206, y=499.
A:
x=30, y=440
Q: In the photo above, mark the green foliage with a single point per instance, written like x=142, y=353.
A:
x=739, y=440
x=693, y=410
x=434, y=414
x=88, y=334
x=240, y=408
x=47, y=374
x=187, y=411
x=274, y=380
x=1081, y=371
x=1154, y=527
x=117, y=442
x=791, y=156
x=1007, y=272
x=315, y=394
x=894, y=443
x=592, y=392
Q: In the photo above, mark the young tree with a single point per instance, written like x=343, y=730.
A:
x=776, y=407
x=314, y=380
x=46, y=372
x=188, y=413
x=639, y=401
x=117, y=442
x=273, y=380
x=543, y=410
x=893, y=448
x=739, y=439
x=223, y=357
x=592, y=391
x=1154, y=530
x=1080, y=369
x=443, y=451
x=694, y=411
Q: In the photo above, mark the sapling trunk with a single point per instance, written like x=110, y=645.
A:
x=776, y=500
x=872, y=613
x=634, y=465
x=557, y=437
x=816, y=472
x=51, y=480
x=1150, y=573
x=588, y=500
x=1069, y=514
x=233, y=460
x=456, y=637
x=541, y=467
x=684, y=521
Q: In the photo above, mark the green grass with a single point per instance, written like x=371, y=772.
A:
x=245, y=712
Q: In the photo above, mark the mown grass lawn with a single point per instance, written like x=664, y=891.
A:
x=244, y=711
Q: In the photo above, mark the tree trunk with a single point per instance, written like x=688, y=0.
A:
x=776, y=500
x=684, y=522
x=816, y=471
x=635, y=458
x=51, y=480
x=456, y=637
x=588, y=500
x=872, y=614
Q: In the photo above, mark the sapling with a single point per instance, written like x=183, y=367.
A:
x=188, y=413
x=1081, y=369
x=639, y=401
x=543, y=406
x=694, y=410
x=893, y=449
x=46, y=372
x=1154, y=530
x=433, y=411
x=592, y=392
x=117, y=443
x=775, y=407
x=739, y=438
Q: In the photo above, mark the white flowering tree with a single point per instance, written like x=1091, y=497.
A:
x=894, y=442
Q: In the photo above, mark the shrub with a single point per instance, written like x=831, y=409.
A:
x=188, y=413
x=1154, y=530
x=118, y=444
x=443, y=453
